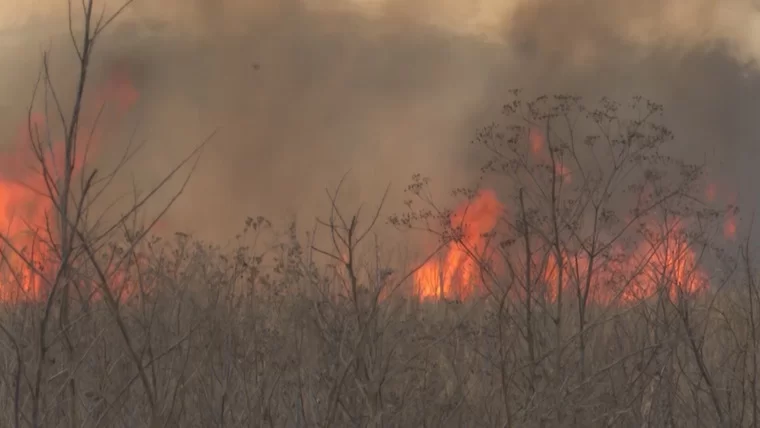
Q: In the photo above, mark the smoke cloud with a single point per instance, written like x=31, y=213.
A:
x=304, y=91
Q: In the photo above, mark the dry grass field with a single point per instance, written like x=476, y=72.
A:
x=219, y=340
x=587, y=280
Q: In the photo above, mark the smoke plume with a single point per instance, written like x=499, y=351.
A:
x=304, y=91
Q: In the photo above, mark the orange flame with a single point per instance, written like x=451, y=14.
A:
x=729, y=226
x=454, y=276
x=664, y=261
x=729, y=221
x=537, y=145
x=27, y=220
x=711, y=192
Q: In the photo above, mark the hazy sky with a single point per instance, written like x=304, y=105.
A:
x=385, y=88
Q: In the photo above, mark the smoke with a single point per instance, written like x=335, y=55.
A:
x=304, y=91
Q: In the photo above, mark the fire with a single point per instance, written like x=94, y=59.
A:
x=666, y=262
x=669, y=264
x=27, y=214
x=536, y=141
x=711, y=192
x=662, y=260
x=455, y=275
x=729, y=227
x=541, y=154
x=729, y=223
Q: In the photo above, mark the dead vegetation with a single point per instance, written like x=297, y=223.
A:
x=290, y=330
x=223, y=340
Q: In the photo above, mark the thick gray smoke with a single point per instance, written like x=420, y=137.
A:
x=303, y=91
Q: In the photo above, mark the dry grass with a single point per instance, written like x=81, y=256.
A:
x=292, y=334
x=228, y=340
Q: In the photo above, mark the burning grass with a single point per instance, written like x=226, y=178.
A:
x=240, y=338
x=580, y=299
x=490, y=333
x=522, y=319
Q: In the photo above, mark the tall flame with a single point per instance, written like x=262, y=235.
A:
x=455, y=275
x=27, y=213
x=663, y=259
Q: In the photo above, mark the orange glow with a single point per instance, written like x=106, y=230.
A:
x=537, y=144
x=711, y=192
x=669, y=264
x=729, y=223
x=455, y=275
x=27, y=212
x=729, y=226
x=661, y=261
x=536, y=141
x=563, y=172
x=666, y=263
